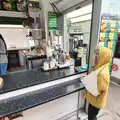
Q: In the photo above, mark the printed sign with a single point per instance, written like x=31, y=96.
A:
x=115, y=67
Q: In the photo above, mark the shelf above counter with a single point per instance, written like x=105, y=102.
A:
x=12, y=14
x=18, y=48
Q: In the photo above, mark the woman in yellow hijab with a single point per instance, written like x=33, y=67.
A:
x=102, y=59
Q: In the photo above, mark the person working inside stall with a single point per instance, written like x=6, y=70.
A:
x=3, y=56
x=102, y=59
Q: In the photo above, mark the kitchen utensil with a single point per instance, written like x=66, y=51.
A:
x=35, y=25
x=61, y=58
x=78, y=61
x=80, y=52
x=39, y=49
x=65, y=65
x=67, y=57
x=50, y=68
x=46, y=65
x=52, y=64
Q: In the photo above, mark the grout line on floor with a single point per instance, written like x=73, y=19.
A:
x=115, y=83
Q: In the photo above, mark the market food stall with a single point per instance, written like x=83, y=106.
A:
x=37, y=91
x=55, y=91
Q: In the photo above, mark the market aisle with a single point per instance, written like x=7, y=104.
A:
x=114, y=98
x=113, y=105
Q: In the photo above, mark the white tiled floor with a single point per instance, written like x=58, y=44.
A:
x=113, y=104
x=109, y=116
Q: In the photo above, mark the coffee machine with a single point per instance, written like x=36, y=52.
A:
x=81, y=55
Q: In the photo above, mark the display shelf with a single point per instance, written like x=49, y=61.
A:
x=12, y=14
x=109, y=34
x=79, y=33
x=107, y=40
x=108, y=31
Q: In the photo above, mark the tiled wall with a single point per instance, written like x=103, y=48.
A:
x=14, y=36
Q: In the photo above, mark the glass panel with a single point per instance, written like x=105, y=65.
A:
x=78, y=31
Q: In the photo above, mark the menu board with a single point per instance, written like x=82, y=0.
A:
x=108, y=33
x=52, y=21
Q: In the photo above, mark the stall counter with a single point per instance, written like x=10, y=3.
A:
x=35, y=88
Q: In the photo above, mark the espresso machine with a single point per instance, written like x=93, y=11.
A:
x=81, y=55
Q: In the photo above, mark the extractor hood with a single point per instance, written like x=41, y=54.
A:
x=63, y=5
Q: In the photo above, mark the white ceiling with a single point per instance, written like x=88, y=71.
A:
x=80, y=12
x=65, y=4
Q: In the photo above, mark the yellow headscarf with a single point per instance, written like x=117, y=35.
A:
x=104, y=57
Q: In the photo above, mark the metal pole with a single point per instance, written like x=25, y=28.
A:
x=95, y=30
x=78, y=103
x=94, y=35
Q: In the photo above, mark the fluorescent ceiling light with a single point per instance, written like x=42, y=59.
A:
x=81, y=11
x=82, y=18
x=11, y=26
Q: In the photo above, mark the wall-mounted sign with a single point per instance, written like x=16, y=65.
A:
x=80, y=27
